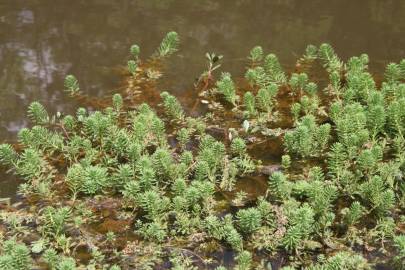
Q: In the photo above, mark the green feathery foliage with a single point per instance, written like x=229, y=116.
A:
x=172, y=106
x=285, y=161
x=379, y=197
x=399, y=243
x=249, y=220
x=238, y=147
x=274, y=70
x=72, y=85
x=233, y=238
x=307, y=138
x=50, y=256
x=183, y=136
x=256, y=54
x=169, y=44
x=8, y=156
x=244, y=261
x=279, y=185
x=296, y=111
x=15, y=256
x=117, y=102
x=95, y=178
x=257, y=76
x=311, y=88
x=250, y=103
x=132, y=67
x=298, y=82
x=66, y=264
x=353, y=214
x=31, y=165
x=392, y=73
x=311, y=53
x=329, y=58
x=342, y=260
x=214, y=227
x=301, y=222
x=160, y=181
x=226, y=87
x=37, y=113
x=135, y=50
x=55, y=219
x=265, y=97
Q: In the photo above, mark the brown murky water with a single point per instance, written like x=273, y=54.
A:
x=43, y=40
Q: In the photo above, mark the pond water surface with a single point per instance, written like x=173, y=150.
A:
x=41, y=41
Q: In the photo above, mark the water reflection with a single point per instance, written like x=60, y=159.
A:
x=41, y=41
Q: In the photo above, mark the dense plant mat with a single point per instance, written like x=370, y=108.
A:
x=300, y=170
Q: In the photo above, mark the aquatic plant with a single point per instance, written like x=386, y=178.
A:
x=285, y=161
x=213, y=64
x=54, y=220
x=265, y=97
x=66, y=264
x=329, y=58
x=8, y=155
x=37, y=113
x=249, y=220
x=354, y=213
x=15, y=256
x=135, y=50
x=169, y=44
x=256, y=54
x=311, y=53
x=226, y=87
x=132, y=66
x=72, y=85
x=298, y=82
x=141, y=187
x=307, y=138
x=250, y=103
x=399, y=243
x=244, y=261
x=273, y=69
x=342, y=260
x=172, y=106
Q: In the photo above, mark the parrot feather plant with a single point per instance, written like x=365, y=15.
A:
x=280, y=167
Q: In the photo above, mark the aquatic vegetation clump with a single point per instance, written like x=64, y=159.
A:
x=281, y=168
x=15, y=256
x=308, y=138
